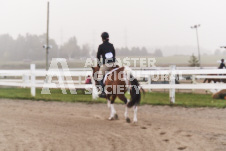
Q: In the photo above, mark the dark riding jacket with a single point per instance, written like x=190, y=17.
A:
x=107, y=51
x=222, y=65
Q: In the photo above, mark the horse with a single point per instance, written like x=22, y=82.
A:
x=214, y=80
x=117, y=81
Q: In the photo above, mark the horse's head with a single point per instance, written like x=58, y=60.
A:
x=95, y=74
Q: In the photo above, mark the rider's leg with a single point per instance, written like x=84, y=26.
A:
x=102, y=72
x=100, y=79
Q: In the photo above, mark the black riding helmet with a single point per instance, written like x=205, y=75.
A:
x=105, y=35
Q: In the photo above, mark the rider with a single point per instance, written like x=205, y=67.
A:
x=107, y=51
x=222, y=65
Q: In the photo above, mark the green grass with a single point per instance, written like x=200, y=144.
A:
x=184, y=99
x=153, y=98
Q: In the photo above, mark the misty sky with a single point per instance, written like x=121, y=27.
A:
x=150, y=23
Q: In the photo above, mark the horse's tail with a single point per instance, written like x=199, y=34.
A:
x=134, y=85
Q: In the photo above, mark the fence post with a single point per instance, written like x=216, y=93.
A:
x=172, y=82
x=193, y=82
x=79, y=79
x=149, y=81
x=32, y=68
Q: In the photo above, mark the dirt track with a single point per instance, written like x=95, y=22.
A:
x=33, y=125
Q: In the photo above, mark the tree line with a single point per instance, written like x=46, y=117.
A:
x=30, y=47
x=219, y=52
x=136, y=51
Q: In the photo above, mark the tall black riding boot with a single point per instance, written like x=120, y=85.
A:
x=103, y=94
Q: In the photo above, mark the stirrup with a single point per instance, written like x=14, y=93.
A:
x=102, y=95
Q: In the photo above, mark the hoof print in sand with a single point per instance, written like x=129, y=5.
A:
x=166, y=140
x=162, y=133
x=182, y=148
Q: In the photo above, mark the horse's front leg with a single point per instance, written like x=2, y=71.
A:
x=109, y=103
x=135, y=114
x=113, y=114
x=108, y=100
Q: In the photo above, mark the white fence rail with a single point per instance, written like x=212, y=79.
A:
x=34, y=78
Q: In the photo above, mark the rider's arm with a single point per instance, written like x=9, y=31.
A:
x=98, y=53
x=220, y=66
x=113, y=51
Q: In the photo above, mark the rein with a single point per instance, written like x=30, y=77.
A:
x=105, y=77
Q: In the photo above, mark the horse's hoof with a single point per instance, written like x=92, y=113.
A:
x=127, y=120
x=116, y=116
x=110, y=118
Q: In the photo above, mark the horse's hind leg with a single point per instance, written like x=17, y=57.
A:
x=113, y=114
x=125, y=100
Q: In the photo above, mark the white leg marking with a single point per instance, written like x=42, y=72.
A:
x=113, y=112
x=111, y=117
x=135, y=114
x=127, y=101
x=109, y=104
x=113, y=109
x=126, y=112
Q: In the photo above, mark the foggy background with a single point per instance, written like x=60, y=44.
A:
x=136, y=27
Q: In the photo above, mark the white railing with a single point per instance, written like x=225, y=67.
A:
x=35, y=78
